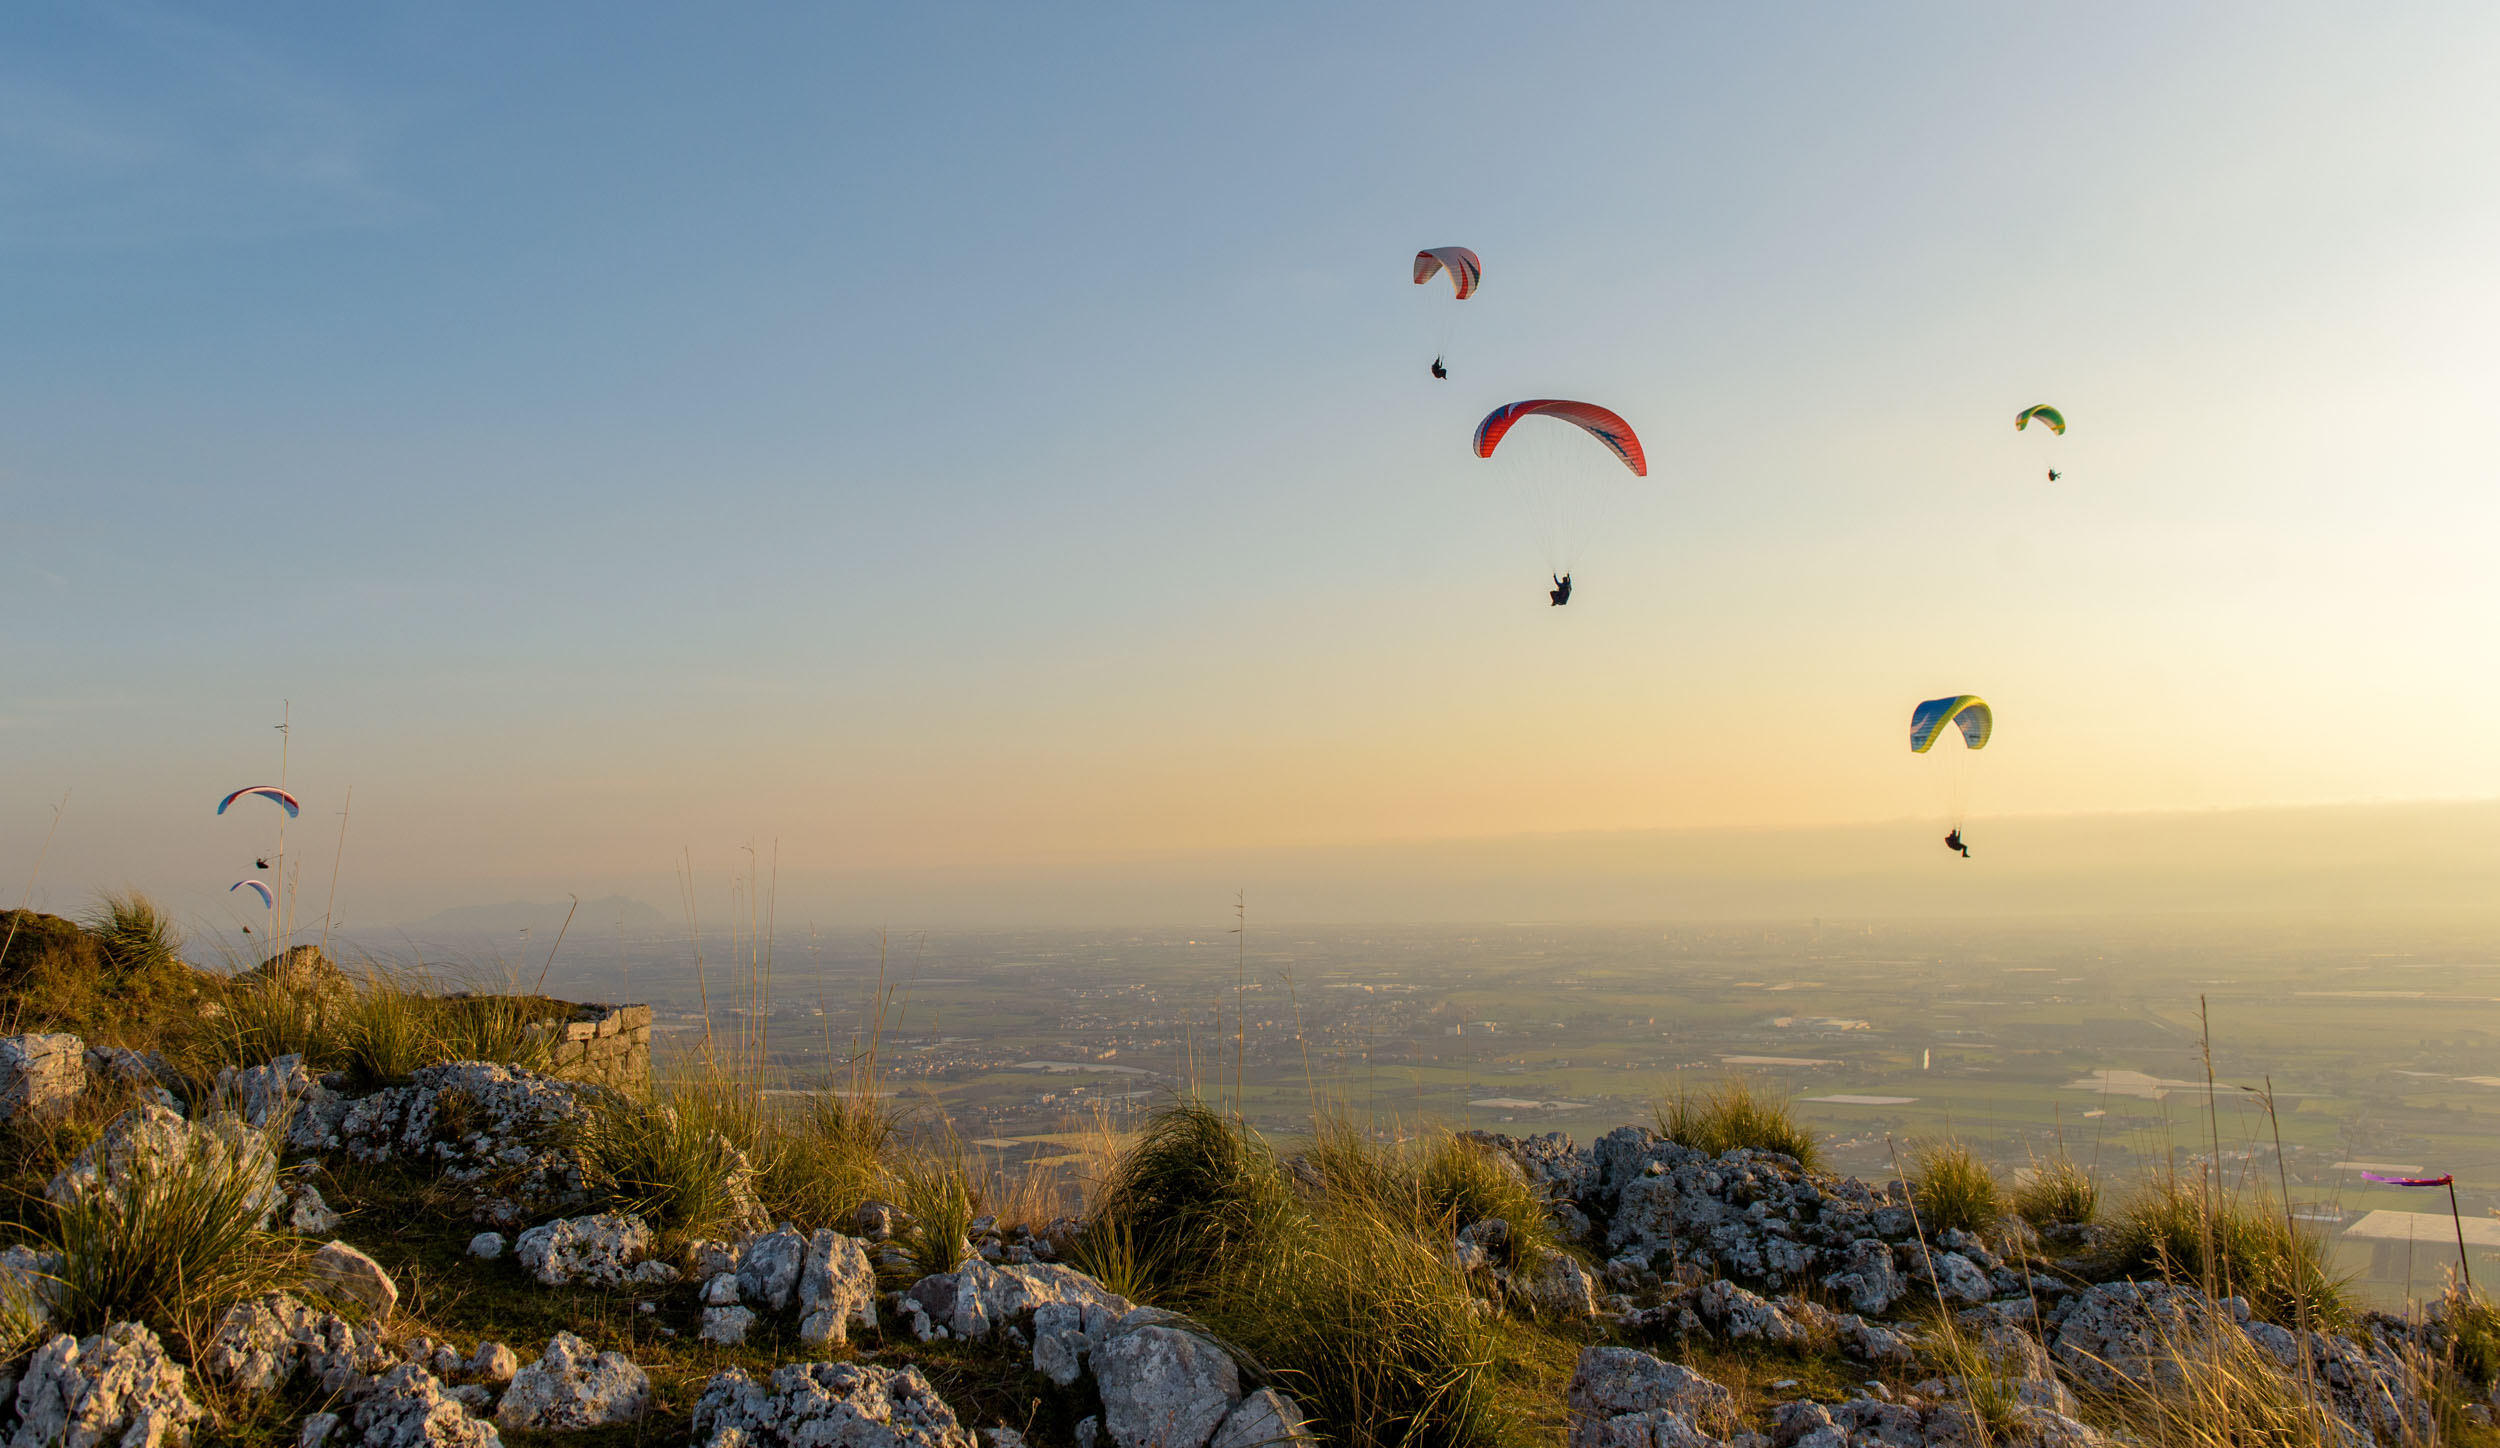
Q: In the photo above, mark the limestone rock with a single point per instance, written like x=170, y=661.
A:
x=150, y=1139
x=826, y=1405
x=503, y=1134
x=1865, y=1273
x=40, y=1074
x=573, y=1387
x=1670, y=1403
x=285, y=1091
x=486, y=1246
x=1265, y=1419
x=721, y=1290
x=768, y=1271
x=1163, y=1387
x=308, y=1214
x=342, y=1269
x=316, y=1430
x=979, y=1298
x=2118, y=1333
x=600, y=1251
x=727, y=1326
x=1557, y=1286
x=409, y=1408
x=837, y=1287
x=117, y=1387
x=261, y=1344
x=493, y=1363
x=1959, y=1279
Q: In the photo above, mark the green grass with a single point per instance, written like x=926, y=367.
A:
x=828, y=1157
x=683, y=1161
x=137, y=942
x=173, y=1247
x=2166, y=1228
x=1196, y=1190
x=1953, y=1189
x=1733, y=1115
x=1345, y=1294
x=939, y=1204
x=2058, y=1193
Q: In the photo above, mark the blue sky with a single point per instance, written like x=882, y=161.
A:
x=934, y=435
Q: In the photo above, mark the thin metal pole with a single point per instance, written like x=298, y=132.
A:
x=2458, y=1218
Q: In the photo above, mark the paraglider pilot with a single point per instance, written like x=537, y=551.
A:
x=1440, y=371
x=1561, y=591
x=1953, y=841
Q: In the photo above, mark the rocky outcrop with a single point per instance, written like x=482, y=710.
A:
x=574, y=1387
x=978, y=1298
x=410, y=1408
x=261, y=1345
x=837, y=1289
x=607, y=1250
x=1620, y=1397
x=1163, y=1386
x=284, y=1091
x=826, y=1405
x=149, y=1141
x=503, y=1134
x=116, y=1387
x=1867, y=1421
x=768, y=1270
x=40, y=1075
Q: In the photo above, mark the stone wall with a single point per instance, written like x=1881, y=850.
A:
x=607, y=1044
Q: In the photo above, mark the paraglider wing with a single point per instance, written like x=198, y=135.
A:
x=266, y=899
x=284, y=800
x=2397, y=1181
x=2055, y=419
x=1598, y=422
x=1928, y=720
x=1466, y=273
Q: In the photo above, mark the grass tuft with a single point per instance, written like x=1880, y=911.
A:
x=1194, y=1192
x=939, y=1205
x=1953, y=1189
x=1733, y=1115
x=2058, y=1193
x=1345, y=1295
x=2163, y=1231
x=136, y=940
x=173, y=1245
x=684, y=1161
x=826, y=1158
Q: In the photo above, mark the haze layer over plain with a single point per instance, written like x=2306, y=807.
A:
x=967, y=441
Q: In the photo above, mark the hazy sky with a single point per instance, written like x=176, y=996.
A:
x=951, y=436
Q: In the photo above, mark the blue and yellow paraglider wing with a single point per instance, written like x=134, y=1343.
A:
x=1928, y=721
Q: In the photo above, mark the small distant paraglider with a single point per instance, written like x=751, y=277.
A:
x=267, y=900
x=1970, y=714
x=271, y=792
x=1466, y=274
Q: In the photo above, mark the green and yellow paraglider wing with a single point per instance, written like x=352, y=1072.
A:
x=1928, y=721
x=2050, y=415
